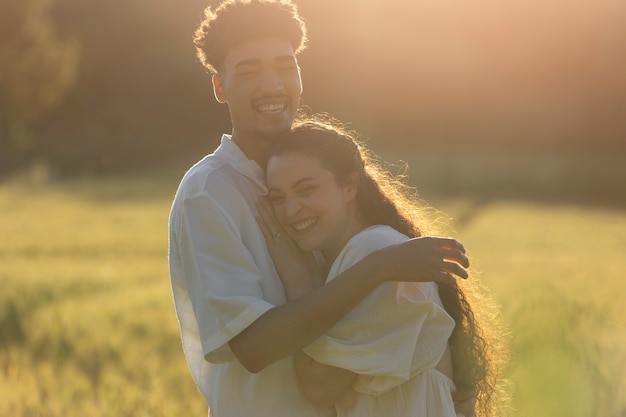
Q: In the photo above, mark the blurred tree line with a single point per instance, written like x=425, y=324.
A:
x=99, y=86
x=37, y=68
x=92, y=86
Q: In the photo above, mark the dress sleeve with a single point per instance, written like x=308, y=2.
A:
x=223, y=281
x=395, y=333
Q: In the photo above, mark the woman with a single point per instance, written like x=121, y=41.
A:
x=409, y=347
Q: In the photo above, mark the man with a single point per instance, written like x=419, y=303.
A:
x=238, y=331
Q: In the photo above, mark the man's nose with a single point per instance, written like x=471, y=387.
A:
x=271, y=81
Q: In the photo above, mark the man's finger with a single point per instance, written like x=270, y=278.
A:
x=466, y=407
x=456, y=256
x=450, y=243
x=456, y=269
x=445, y=278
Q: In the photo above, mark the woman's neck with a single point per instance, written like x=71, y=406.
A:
x=355, y=226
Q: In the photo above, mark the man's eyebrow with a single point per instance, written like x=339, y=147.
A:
x=257, y=61
x=251, y=61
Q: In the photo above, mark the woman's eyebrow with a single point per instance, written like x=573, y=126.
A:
x=295, y=184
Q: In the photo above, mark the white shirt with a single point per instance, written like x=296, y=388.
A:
x=223, y=279
x=393, y=340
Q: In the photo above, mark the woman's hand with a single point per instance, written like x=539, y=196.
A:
x=298, y=270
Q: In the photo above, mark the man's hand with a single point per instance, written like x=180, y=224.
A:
x=464, y=404
x=424, y=259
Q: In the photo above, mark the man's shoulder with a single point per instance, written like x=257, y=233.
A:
x=205, y=175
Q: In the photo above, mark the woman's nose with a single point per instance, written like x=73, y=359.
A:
x=292, y=206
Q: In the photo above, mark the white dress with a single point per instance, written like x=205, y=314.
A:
x=393, y=340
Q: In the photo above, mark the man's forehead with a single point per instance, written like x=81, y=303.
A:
x=260, y=50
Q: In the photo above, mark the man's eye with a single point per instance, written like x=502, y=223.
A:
x=247, y=73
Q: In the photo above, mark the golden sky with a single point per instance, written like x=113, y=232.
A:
x=555, y=66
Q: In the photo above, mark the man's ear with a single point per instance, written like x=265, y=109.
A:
x=218, y=88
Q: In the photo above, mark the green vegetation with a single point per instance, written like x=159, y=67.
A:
x=87, y=324
x=556, y=272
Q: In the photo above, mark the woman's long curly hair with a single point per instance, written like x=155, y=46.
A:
x=477, y=344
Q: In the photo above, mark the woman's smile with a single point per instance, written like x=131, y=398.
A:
x=314, y=209
x=304, y=225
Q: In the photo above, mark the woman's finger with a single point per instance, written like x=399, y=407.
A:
x=267, y=233
x=267, y=215
x=264, y=210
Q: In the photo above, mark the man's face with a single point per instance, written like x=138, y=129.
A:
x=260, y=81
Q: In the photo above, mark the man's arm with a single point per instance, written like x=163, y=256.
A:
x=288, y=328
x=323, y=385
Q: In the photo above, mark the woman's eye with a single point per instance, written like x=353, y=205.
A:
x=307, y=189
x=275, y=200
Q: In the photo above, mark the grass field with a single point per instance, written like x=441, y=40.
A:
x=87, y=325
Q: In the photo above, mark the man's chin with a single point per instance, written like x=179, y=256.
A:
x=271, y=134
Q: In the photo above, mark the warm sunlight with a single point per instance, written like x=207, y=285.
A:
x=533, y=65
x=508, y=116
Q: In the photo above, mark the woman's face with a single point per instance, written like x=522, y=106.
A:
x=316, y=211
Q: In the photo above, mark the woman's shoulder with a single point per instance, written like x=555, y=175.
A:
x=363, y=243
x=376, y=237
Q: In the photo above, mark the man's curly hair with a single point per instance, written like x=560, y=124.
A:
x=236, y=21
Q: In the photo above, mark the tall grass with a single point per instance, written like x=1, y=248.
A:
x=87, y=325
x=557, y=272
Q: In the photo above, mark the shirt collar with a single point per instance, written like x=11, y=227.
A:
x=240, y=162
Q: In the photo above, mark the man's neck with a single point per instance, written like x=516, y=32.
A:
x=254, y=148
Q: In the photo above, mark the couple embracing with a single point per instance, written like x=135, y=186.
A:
x=306, y=280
